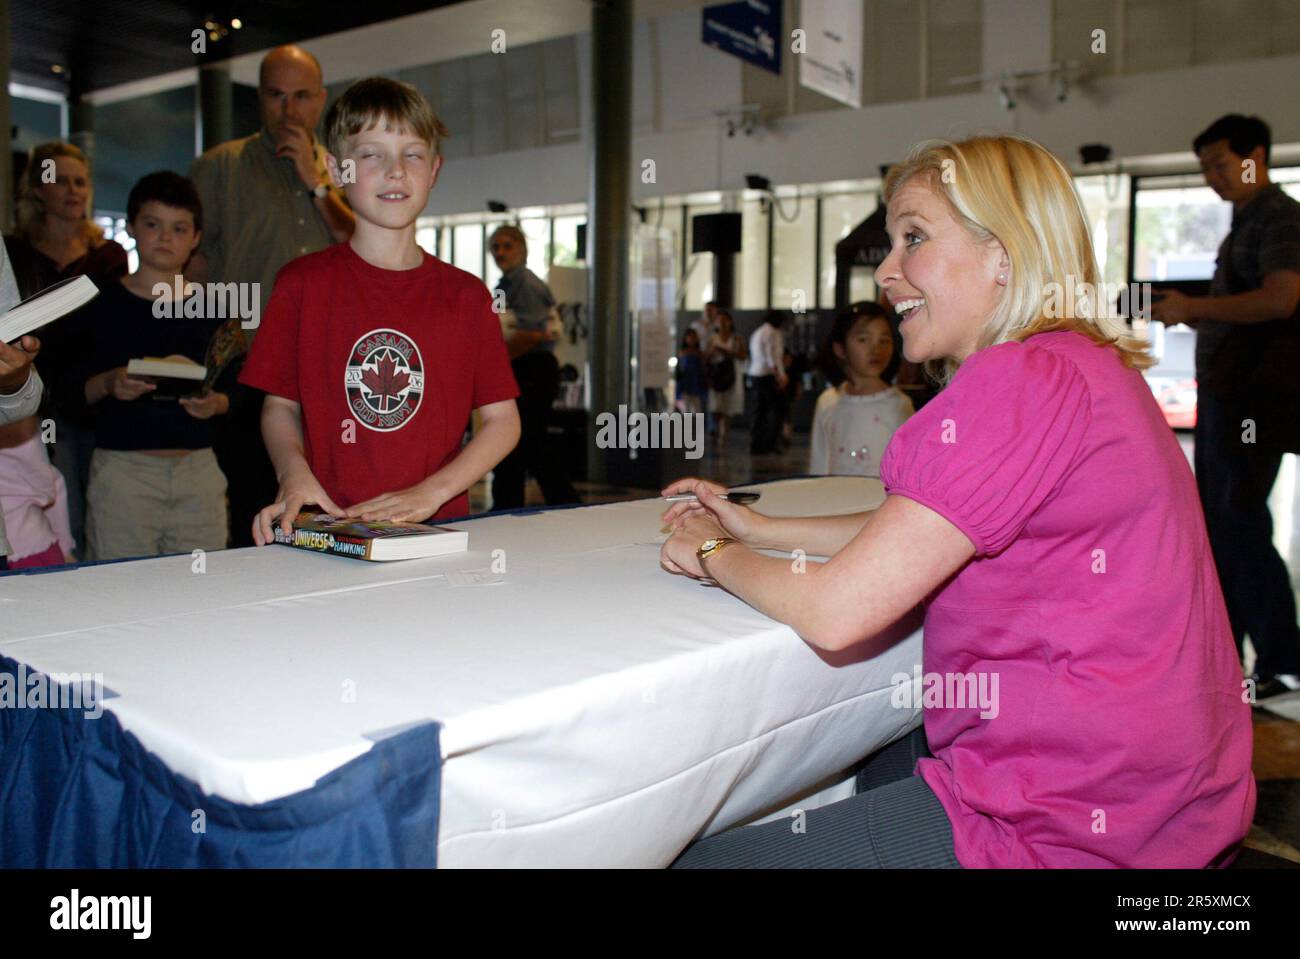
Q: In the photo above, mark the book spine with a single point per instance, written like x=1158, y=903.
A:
x=352, y=547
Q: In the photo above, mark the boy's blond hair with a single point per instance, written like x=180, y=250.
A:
x=1011, y=189
x=374, y=101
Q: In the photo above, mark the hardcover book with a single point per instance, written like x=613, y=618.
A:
x=377, y=542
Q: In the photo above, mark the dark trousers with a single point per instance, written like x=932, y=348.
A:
x=767, y=421
x=894, y=822
x=1234, y=479
x=537, y=453
x=241, y=454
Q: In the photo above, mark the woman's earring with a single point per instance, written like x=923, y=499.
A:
x=1002, y=278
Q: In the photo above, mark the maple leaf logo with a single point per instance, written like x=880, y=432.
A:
x=384, y=381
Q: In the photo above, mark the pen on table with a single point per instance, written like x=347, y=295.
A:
x=736, y=496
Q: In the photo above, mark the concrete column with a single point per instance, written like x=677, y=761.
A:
x=609, y=204
x=215, y=105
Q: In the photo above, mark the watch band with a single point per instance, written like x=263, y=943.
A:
x=711, y=547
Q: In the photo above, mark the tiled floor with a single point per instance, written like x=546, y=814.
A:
x=1276, y=829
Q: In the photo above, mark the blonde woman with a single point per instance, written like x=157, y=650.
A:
x=1045, y=515
x=56, y=239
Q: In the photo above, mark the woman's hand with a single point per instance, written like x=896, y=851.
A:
x=738, y=522
x=679, y=553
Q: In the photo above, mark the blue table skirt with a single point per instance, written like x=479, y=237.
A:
x=81, y=792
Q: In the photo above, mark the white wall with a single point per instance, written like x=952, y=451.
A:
x=1138, y=115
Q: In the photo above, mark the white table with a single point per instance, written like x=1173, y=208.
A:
x=596, y=710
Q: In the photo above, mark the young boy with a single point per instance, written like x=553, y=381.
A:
x=155, y=486
x=373, y=353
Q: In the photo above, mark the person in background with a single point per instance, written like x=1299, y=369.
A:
x=267, y=199
x=155, y=486
x=706, y=324
x=859, y=411
x=724, y=356
x=531, y=346
x=55, y=239
x=1248, y=390
x=1043, y=513
x=691, y=386
x=20, y=384
x=767, y=378
x=34, y=504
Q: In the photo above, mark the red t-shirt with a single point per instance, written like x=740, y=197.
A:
x=386, y=364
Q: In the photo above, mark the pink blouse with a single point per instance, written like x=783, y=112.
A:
x=1120, y=734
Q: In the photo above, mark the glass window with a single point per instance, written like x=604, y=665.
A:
x=1288, y=178
x=794, y=249
x=1180, y=224
x=537, y=230
x=426, y=236
x=751, y=263
x=566, y=240
x=1105, y=200
x=841, y=212
x=469, y=248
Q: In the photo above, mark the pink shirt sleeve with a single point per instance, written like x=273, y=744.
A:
x=995, y=445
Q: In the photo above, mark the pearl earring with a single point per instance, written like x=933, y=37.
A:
x=1002, y=278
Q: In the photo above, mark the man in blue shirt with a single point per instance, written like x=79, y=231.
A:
x=532, y=358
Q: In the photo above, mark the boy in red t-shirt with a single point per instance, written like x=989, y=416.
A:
x=373, y=353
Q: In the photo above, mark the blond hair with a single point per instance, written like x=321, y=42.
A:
x=1012, y=190
x=29, y=211
x=374, y=101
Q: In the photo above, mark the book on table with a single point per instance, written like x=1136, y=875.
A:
x=45, y=307
x=378, y=542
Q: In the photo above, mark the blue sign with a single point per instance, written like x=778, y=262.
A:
x=750, y=29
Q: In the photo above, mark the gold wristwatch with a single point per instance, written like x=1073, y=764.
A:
x=711, y=547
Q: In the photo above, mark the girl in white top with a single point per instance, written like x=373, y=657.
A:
x=856, y=417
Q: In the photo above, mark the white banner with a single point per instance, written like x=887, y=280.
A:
x=832, y=62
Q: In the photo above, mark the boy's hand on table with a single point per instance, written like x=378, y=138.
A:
x=206, y=406
x=412, y=505
x=16, y=363
x=297, y=488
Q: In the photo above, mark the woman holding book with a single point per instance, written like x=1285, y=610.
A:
x=1043, y=512
x=55, y=239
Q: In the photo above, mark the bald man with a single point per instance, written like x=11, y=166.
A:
x=267, y=199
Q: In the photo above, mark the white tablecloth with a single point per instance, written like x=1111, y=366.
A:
x=596, y=710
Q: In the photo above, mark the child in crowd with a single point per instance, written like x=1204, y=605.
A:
x=691, y=387
x=372, y=352
x=155, y=486
x=858, y=413
x=33, y=499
